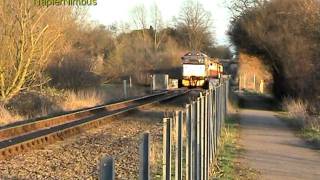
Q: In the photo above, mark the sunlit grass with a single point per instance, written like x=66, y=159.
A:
x=7, y=117
x=297, y=117
x=82, y=99
x=309, y=133
x=227, y=166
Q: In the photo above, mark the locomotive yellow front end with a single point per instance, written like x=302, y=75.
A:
x=193, y=75
x=194, y=69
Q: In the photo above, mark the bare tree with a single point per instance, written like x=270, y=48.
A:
x=195, y=22
x=158, y=27
x=28, y=35
x=139, y=18
x=237, y=7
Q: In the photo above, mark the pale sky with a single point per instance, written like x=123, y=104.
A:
x=108, y=12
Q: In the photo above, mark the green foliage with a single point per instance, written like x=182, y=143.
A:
x=229, y=151
x=312, y=135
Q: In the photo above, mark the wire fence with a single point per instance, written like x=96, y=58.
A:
x=191, y=139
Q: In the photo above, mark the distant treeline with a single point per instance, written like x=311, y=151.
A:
x=57, y=47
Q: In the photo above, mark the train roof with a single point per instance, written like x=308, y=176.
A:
x=194, y=57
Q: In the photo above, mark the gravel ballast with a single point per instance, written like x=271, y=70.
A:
x=79, y=157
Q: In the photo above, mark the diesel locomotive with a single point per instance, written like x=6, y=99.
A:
x=198, y=70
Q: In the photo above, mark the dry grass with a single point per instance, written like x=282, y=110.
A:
x=82, y=99
x=7, y=117
x=297, y=109
x=308, y=125
x=34, y=105
x=156, y=159
x=51, y=101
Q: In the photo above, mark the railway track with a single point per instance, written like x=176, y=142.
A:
x=24, y=136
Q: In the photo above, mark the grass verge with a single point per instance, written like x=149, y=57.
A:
x=312, y=136
x=228, y=166
x=225, y=167
x=309, y=134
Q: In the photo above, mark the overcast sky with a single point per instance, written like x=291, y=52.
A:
x=108, y=12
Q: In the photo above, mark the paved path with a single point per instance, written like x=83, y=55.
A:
x=272, y=148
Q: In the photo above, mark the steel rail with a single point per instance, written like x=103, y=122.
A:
x=39, y=137
x=28, y=126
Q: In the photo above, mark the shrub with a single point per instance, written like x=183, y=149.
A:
x=29, y=105
x=73, y=71
x=34, y=104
